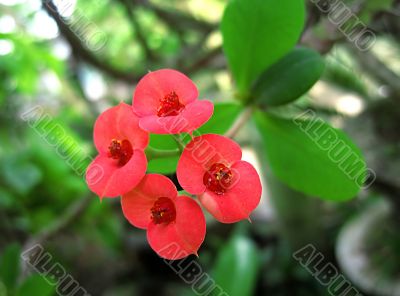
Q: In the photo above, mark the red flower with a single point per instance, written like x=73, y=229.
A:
x=211, y=167
x=121, y=162
x=170, y=220
x=166, y=103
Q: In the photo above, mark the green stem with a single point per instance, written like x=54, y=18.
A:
x=153, y=153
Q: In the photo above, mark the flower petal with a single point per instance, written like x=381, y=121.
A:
x=120, y=123
x=106, y=179
x=163, y=125
x=197, y=113
x=199, y=155
x=239, y=201
x=192, y=117
x=184, y=237
x=136, y=204
x=156, y=85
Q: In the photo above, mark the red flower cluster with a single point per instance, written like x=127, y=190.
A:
x=210, y=167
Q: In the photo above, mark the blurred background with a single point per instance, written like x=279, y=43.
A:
x=71, y=59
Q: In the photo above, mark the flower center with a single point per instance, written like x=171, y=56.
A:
x=170, y=105
x=163, y=211
x=218, y=178
x=120, y=150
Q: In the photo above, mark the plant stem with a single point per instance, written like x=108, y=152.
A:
x=240, y=122
x=178, y=143
x=153, y=153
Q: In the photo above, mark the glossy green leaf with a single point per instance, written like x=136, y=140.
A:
x=162, y=142
x=289, y=78
x=166, y=165
x=312, y=157
x=224, y=116
x=257, y=33
x=237, y=267
x=9, y=266
x=36, y=285
x=163, y=165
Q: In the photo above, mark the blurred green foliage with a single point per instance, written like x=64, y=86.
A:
x=9, y=266
x=239, y=256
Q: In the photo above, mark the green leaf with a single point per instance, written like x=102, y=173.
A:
x=36, y=285
x=312, y=157
x=3, y=289
x=162, y=142
x=165, y=165
x=237, y=267
x=224, y=116
x=9, y=266
x=289, y=78
x=257, y=33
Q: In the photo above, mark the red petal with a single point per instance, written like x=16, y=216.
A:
x=199, y=155
x=156, y=85
x=119, y=123
x=185, y=236
x=197, y=114
x=106, y=179
x=137, y=203
x=192, y=117
x=239, y=201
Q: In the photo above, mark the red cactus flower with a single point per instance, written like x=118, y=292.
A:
x=170, y=220
x=121, y=162
x=211, y=167
x=166, y=103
